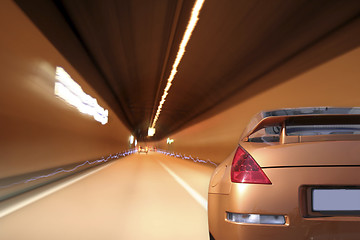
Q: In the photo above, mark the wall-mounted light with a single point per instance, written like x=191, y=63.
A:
x=151, y=132
x=131, y=139
x=67, y=89
x=169, y=141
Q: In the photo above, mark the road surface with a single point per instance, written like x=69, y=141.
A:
x=141, y=196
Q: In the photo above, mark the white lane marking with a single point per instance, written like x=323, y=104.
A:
x=12, y=207
x=200, y=199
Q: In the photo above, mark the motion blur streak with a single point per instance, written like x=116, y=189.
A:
x=26, y=201
x=61, y=170
x=189, y=29
x=178, y=155
x=67, y=89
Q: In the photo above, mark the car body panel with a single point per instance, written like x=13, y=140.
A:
x=323, y=153
x=286, y=186
x=220, y=180
x=305, y=154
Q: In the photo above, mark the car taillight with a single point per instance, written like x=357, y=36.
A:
x=245, y=169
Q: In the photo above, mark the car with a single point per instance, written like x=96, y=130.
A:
x=143, y=150
x=294, y=175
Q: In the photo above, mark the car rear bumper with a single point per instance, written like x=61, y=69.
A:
x=286, y=196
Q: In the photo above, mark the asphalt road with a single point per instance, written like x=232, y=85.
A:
x=142, y=196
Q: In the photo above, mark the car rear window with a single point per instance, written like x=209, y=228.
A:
x=272, y=133
x=267, y=134
x=311, y=130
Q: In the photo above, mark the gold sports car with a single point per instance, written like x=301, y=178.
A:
x=294, y=175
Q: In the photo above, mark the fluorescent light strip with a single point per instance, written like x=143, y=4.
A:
x=40, y=193
x=61, y=170
x=189, y=29
x=178, y=155
x=67, y=89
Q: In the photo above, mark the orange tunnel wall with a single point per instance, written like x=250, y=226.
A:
x=334, y=83
x=39, y=130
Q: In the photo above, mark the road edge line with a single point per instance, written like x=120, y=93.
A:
x=194, y=194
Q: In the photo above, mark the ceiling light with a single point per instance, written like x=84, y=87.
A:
x=189, y=29
x=151, y=132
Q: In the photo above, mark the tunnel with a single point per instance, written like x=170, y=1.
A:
x=83, y=163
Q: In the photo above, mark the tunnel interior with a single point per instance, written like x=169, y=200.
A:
x=243, y=57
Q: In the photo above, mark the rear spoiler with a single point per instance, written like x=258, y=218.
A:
x=301, y=120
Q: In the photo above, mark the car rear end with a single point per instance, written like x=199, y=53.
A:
x=296, y=185
x=143, y=150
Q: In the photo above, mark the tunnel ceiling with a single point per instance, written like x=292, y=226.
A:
x=125, y=50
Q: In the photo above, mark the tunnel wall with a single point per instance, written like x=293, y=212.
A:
x=39, y=130
x=335, y=83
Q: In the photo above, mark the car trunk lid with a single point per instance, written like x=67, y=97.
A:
x=328, y=153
